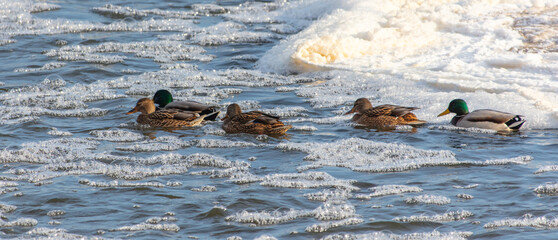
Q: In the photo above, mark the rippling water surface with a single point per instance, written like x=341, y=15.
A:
x=74, y=165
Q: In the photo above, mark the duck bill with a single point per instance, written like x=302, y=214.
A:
x=353, y=110
x=132, y=111
x=444, y=113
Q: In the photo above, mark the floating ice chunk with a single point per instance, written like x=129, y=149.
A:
x=322, y=227
x=465, y=196
x=461, y=129
x=365, y=155
x=306, y=180
x=218, y=143
x=55, y=150
x=54, y=213
x=4, y=184
x=327, y=195
x=54, y=233
x=6, y=208
x=548, y=189
x=210, y=8
x=121, y=11
x=409, y=236
x=56, y=132
x=205, y=189
x=117, y=135
x=115, y=184
x=43, y=7
x=207, y=160
x=428, y=199
x=305, y=128
x=153, y=224
x=20, y=222
x=164, y=143
x=283, y=112
x=325, y=120
x=446, y=217
x=527, y=221
x=325, y=212
x=265, y=237
x=385, y=190
x=48, y=66
x=550, y=168
x=174, y=183
x=467, y=187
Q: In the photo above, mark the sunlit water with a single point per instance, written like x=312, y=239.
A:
x=76, y=166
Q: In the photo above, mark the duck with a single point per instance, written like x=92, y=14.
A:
x=253, y=122
x=482, y=118
x=164, y=99
x=384, y=115
x=164, y=117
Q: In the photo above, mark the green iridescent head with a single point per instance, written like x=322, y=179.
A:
x=457, y=106
x=162, y=97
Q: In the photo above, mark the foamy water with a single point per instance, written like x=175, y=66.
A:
x=75, y=166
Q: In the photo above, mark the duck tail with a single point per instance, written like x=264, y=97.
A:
x=516, y=122
x=210, y=114
x=197, y=121
x=416, y=123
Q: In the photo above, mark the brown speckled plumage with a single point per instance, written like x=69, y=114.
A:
x=254, y=122
x=383, y=115
x=164, y=117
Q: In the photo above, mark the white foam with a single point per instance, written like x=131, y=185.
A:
x=526, y=221
x=428, y=199
x=385, y=190
x=446, y=217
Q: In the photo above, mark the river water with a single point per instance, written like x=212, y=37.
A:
x=74, y=165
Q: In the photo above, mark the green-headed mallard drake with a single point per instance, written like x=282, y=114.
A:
x=482, y=118
x=164, y=117
x=255, y=122
x=165, y=101
x=383, y=115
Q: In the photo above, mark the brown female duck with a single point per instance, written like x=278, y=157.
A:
x=383, y=115
x=164, y=117
x=254, y=122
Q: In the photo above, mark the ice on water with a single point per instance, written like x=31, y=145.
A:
x=528, y=220
x=446, y=217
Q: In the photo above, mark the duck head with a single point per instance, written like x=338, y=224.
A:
x=232, y=110
x=162, y=98
x=144, y=105
x=360, y=105
x=457, y=106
